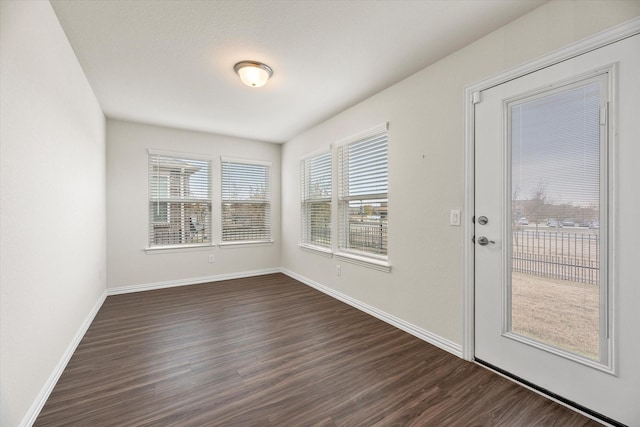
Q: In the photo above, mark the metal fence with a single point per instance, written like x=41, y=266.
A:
x=320, y=234
x=368, y=236
x=559, y=255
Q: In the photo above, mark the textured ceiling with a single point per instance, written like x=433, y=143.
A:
x=171, y=62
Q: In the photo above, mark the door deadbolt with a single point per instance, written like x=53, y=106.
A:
x=483, y=220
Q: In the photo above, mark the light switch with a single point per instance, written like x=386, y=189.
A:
x=454, y=217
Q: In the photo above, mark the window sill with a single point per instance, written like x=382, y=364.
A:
x=177, y=248
x=246, y=243
x=319, y=250
x=373, y=263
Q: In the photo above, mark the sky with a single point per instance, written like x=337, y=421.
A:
x=555, y=145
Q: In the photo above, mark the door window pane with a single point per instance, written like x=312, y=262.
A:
x=555, y=218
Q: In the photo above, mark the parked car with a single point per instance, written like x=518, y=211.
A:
x=523, y=221
x=594, y=224
x=568, y=223
x=554, y=223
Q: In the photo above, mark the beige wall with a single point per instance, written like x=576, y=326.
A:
x=54, y=219
x=128, y=207
x=52, y=205
x=426, y=132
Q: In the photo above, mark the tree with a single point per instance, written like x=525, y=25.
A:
x=537, y=208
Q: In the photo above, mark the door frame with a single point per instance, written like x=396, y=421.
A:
x=471, y=97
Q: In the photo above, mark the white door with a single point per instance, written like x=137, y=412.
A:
x=557, y=235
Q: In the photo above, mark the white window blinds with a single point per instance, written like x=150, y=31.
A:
x=179, y=200
x=316, y=200
x=246, y=201
x=362, y=196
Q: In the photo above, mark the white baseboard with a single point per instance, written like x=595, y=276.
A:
x=191, y=281
x=409, y=328
x=41, y=399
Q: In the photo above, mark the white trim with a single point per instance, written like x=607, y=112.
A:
x=407, y=327
x=611, y=35
x=368, y=133
x=611, y=227
x=37, y=405
x=468, y=230
x=224, y=159
x=364, y=261
x=238, y=243
x=189, y=281
x=576, y=358
x=588, y=44
x=316, y=153
x=177, y=248
x=319, y=250
x=179, y=154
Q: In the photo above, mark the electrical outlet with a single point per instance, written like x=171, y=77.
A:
x=338, y=271
x=211, y=258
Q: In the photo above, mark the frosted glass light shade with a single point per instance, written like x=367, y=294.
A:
x=253, y=74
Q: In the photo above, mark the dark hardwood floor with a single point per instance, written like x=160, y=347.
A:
x=270, y=351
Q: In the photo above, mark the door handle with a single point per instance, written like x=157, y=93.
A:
x=483, y=241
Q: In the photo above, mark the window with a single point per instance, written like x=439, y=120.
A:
x=316, y=200
x=179, y=200
x=362, y=195
x=160, y=190
x=246, y=201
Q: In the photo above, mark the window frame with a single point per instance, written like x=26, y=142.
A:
x=266, y=201
x=167, y=210
x=324, y=160
x=346, y=251
x=183, y=230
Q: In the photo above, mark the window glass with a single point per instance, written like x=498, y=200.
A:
x=246, y=201
x=316, y=200
x=555, y=142
x=179, y=200
x=363, y=203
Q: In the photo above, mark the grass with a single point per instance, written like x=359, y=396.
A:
x=560, y=313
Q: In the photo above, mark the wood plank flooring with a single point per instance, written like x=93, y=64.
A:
x=271, y=351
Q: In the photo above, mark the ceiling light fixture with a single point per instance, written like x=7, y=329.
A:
x=252, y=73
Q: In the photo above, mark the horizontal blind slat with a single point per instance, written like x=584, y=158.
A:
x=246, y=209
x=316, y=200
x=362, y=195
x=179, y=200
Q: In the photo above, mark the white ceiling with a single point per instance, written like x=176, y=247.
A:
x=171, y=62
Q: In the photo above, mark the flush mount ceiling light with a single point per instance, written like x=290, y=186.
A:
x=252, y=73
